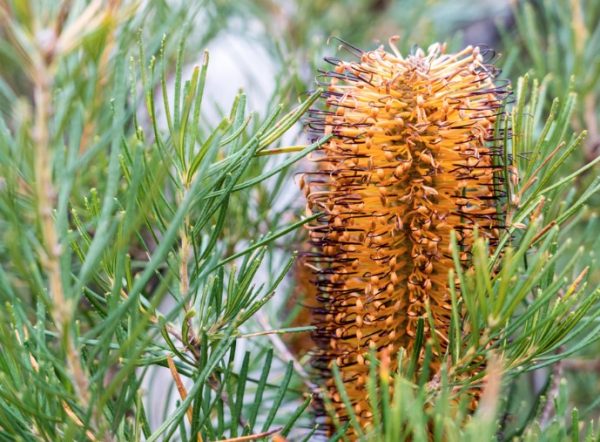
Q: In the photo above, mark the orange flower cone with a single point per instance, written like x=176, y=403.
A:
x=412, y=156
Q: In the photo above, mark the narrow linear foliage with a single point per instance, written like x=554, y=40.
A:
x=128, y=256
x=154, y=263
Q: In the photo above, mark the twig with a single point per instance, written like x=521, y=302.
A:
x=42, y=76
x=549, y=410
x=490, y=396
x=182, y=390
x=542, y=232
x=184, y=284
x=77, y=421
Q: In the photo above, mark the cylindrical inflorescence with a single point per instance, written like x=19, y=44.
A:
x=411, y=156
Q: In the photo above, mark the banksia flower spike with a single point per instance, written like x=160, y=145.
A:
x=411, y=157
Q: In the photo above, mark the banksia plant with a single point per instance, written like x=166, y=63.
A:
x=411, y=158
x=150, y=222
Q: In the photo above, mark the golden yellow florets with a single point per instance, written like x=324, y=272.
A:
x=412, y=156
